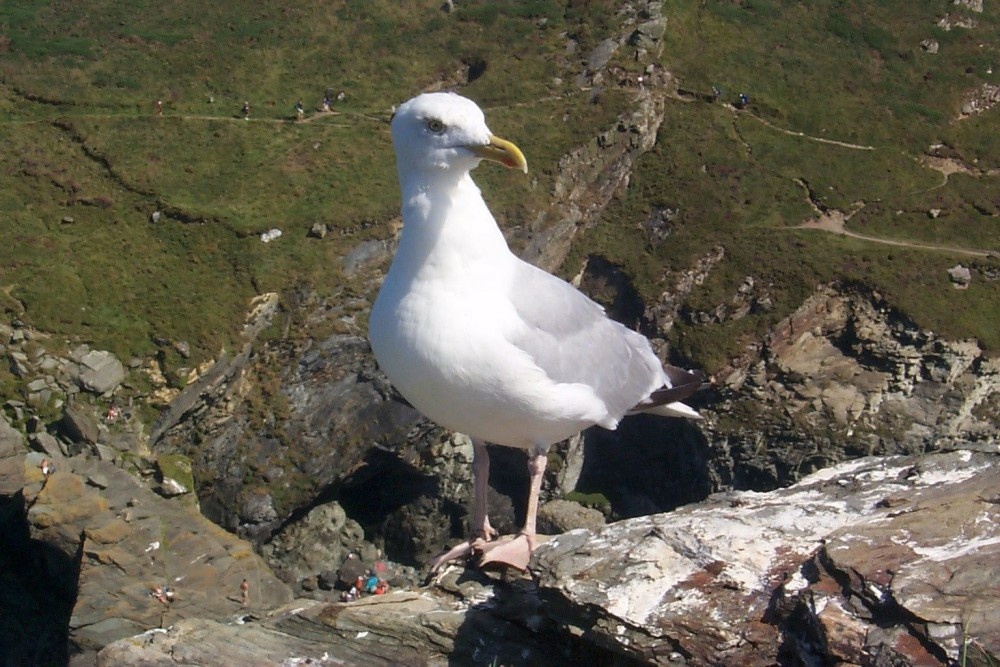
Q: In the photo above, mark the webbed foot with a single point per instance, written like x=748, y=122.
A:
x=508, y=551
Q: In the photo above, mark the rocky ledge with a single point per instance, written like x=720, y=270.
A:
x=877, y=561
x=90, y=554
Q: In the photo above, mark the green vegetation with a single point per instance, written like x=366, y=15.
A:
x=593, y=500
x=177, y=467
x=819, y=75
x=86, y=161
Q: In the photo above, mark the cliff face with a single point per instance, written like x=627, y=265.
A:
x=844, y=376
x=292, y=424
x=878, y=561
x=788, y=546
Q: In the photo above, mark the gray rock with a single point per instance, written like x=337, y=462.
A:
x=893, y=556
x=12, y=450
x=183, y=348
x=19, y=364
x=102, y=372
x=38, y=385
x=838, y=550
x=80, y=425
x=47, y=444
x=17, y=408
x=320, y=542
x=109, y=630
x=113, y=561
x=973, y=5
x=960, y=275
x=561, y=516
x=98, y=480
x=602, y=54
x=647, y=34
x=258, y=507
x=364, y=254
x=105, y=452
x=349, y=571
x=170, y=487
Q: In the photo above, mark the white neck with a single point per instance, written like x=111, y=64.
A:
x=449, y=231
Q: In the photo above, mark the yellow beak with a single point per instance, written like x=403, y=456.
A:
x=502, y=151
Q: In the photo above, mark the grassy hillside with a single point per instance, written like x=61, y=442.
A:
x=86, y=161
x=844, y=105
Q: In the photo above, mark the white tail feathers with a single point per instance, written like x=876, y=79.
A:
x=675, y=409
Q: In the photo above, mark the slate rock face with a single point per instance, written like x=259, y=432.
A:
x=894, y=555
x=878, y=561
x=90, y=543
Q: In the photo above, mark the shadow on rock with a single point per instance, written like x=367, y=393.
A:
x=649, y=465
x=38, y=584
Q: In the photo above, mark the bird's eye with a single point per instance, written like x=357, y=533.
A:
x=435, y=126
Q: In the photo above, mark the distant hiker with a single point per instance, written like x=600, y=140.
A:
x=326, y=102
x=743, y=102
x=716, y=93
x=159, y=107
x=371, y=583
x=246, y=111
x=244, y=592
x=160, y=595
x=379, y=567
x=382, y=587
x=300, y=111
x=47, y=467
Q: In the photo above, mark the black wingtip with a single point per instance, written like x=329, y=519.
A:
x=685, y=384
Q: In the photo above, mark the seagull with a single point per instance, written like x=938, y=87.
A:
x=486, y=344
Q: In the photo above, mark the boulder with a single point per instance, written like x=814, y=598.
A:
x=319, y=543
x=47, y=444
x=960, y=276
x=561, y=516
x=100, y=372
x=79, y=425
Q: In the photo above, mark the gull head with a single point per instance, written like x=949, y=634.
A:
x=445, y=132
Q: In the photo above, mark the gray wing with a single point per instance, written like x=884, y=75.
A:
x=573, y=340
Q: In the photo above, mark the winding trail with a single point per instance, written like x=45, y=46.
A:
x=829, y=221
x=795, y=133
x=835, y=222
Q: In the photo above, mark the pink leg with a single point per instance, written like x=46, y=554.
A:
x=482, y=531
x=517, y=552
x=536, y=470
